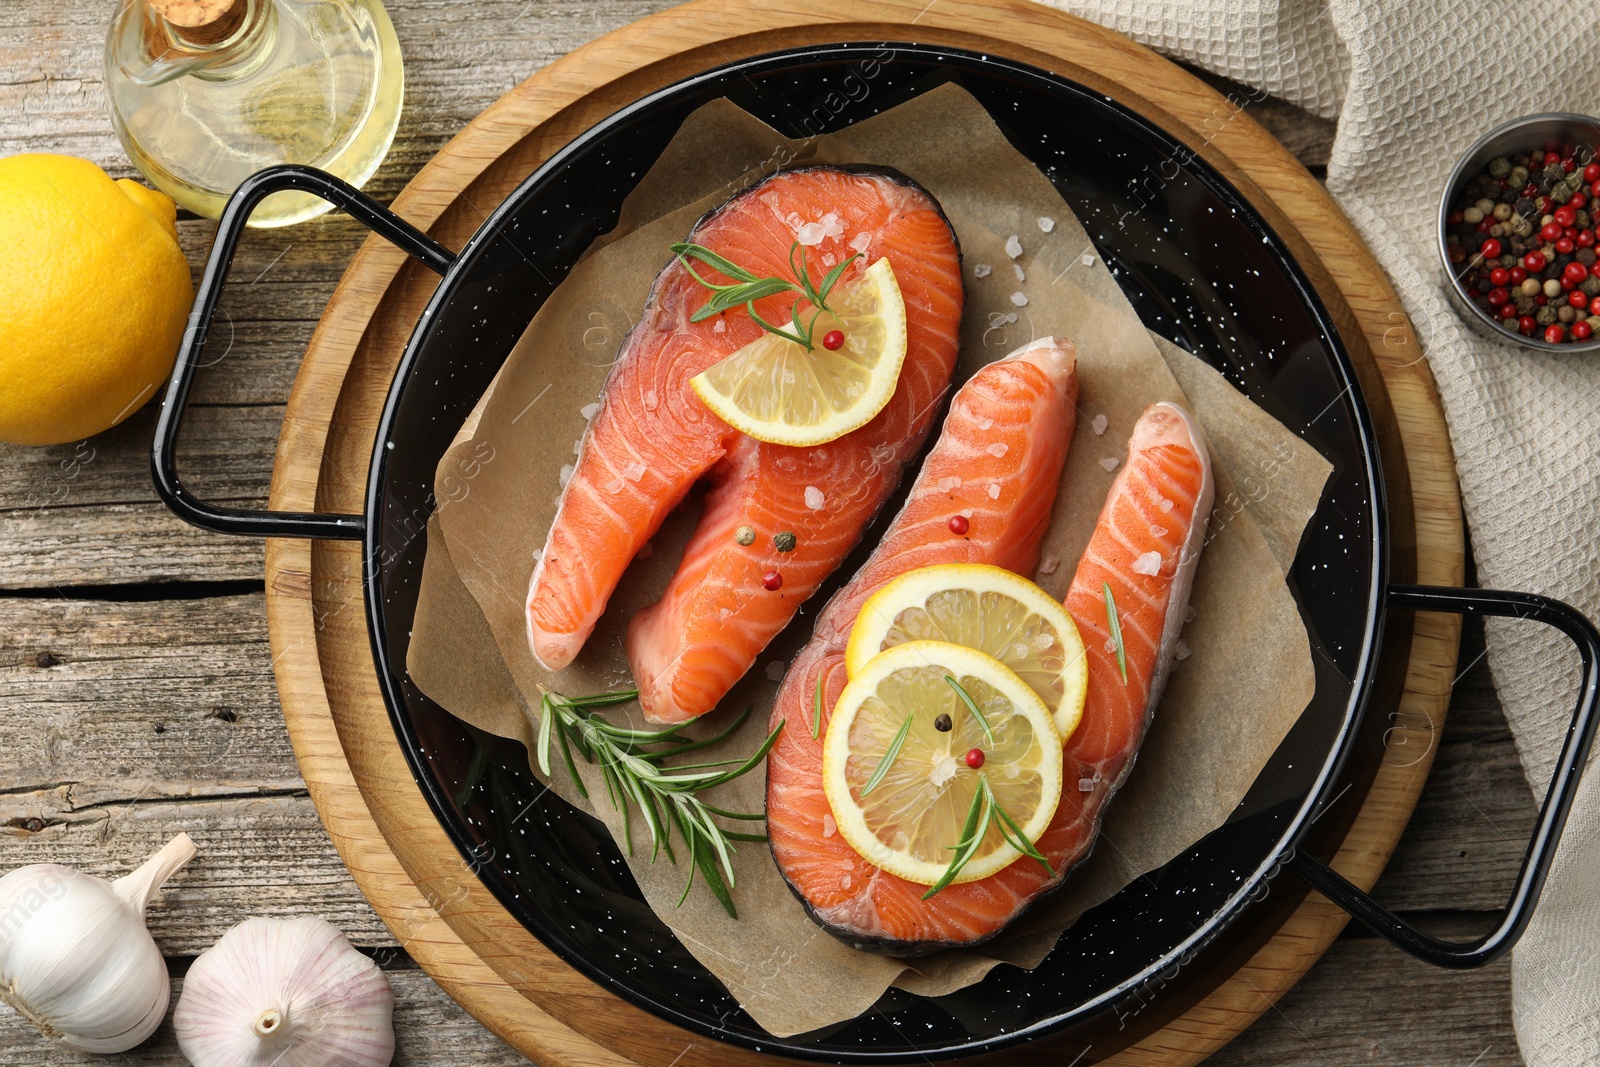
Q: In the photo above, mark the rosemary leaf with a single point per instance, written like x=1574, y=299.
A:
x=547, y=718
x=1015, y=837
x=832, y=279
x=1115, y=624
x=972, y=706
x=888, y=756
x=966, y=845
x=816, y=710
x=683, y=250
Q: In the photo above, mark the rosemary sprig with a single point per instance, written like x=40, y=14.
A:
x=632, y=766
x=746, y=288
x=985, y=809
x=972, y=706
x=1115, y=623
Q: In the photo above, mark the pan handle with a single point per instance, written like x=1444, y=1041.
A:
x=163, y=459
x=1552, y=815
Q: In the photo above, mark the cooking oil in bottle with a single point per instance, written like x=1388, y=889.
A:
x=207, y=92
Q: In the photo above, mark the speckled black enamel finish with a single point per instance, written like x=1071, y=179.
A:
x=1198, y=265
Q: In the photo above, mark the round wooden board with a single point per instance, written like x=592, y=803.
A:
x=347, y=750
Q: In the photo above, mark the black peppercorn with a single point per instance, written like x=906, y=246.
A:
x=943, y=723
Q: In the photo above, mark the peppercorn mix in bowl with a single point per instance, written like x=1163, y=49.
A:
x=1519, y=233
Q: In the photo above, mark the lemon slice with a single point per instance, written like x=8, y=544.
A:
x=776, y=391
x=986, y=608
x=910, y=819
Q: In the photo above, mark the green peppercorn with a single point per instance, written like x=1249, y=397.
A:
x=784, y=541
x=1545, y=316
x=1594, y=323
x=1499, y=167
x=1590, y=286
x=1518, y=176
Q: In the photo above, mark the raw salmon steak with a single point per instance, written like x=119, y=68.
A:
x=1145, y=545
x=652, y=439
x=998, y=461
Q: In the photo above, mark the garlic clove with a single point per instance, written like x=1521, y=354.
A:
x=285, y=992
x=75, y=957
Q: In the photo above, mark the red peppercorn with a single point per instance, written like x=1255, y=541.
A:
x=974, y=758
x=959, y=525
x=1585, y=239
x=1569, y=164
x=1499, y=277
x=1490, y=249
x=1578, y=299
x=1486, y=225
x=772, y=581
x=1594, y=188
x=1574, y=273
x=1518, y=275
x=1581, y=331
x=1566, y=215
x=1554, y=334
x=1565, y=246
x=1534, y=261
x=1591, y=173
x=1507, y=311
x=1541, y=300
x=1578, y=200
x=1498, y=297
x=1457, y=253
x=1550, y=231
x=1530, y=190
x=833, y=340
x=1453, y=219
x=1527, y=324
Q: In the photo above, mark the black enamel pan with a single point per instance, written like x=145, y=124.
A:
x=1193, y=242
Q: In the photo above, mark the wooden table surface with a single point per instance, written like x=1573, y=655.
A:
x=137, y=699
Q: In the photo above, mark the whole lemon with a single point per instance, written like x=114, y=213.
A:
x=94, y=293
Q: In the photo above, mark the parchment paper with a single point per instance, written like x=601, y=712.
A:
x=1226, y=707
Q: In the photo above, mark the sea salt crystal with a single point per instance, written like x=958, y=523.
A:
x=1046, y=223
x=577, y=446
x=981, y=270
x=647, y=551
x=1019, y=650
x=1019, y=300
x=1182, y=651
x=1011, y=316
x=965, y=513
x=1086, y=785
x=1021, y=277
x=942, y=770
x=994, y=490
x=1159, y=531
x=1088, y=259
x=829, y=259
x=614, y=486
x=1110, y=464
x=829, y=826
x=1165, y=505
x=1050, y=565
x=538, y=554
x=983, y=423
x=812, y=234
x=775, y=670
x=1148, y=563
x=1043, y=641
x=651, y=400
x=844, y=882
x=566, y=474
x=1189, y=613
x=948, y=483
x=1099, y=424
x=1013, y=246
x=813, y=498
x=998, y=449
x=861, y=242
x=588, y=410
x=794, y=220
x=634, y=471
x=718, y=326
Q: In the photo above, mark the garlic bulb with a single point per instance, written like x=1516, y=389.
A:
x=285, y=992
x=75, y=957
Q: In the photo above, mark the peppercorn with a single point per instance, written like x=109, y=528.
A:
x=1530, y=287
x=772, y=581
x=1586, y=256
x=1525, y=304
x=1473, y=215
x=1552, y=173
x=943, y=723
x=1591, y=286
x=1499, y=167
x=1518, y=177
x=1545, y=316
x=1593, y=321
x=1502, y=212
x=784, y=541
x=745, y=535
x=1566, y=315
x=1525, y=206
x=1552, y=288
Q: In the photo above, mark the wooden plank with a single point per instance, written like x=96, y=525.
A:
x=116, y=544
x=431, y=1030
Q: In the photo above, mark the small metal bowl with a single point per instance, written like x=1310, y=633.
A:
x=1543, y=132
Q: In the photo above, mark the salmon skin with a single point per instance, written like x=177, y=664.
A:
x=1157, y=505
x=999, y=457
x=653, y=438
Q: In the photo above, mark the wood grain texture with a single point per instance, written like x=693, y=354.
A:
x=1363, y=1003
x=330, y=700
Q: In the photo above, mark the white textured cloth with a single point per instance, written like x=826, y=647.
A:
x=1412, y=84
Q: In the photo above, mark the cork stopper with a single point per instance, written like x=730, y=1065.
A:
x=201, y=22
